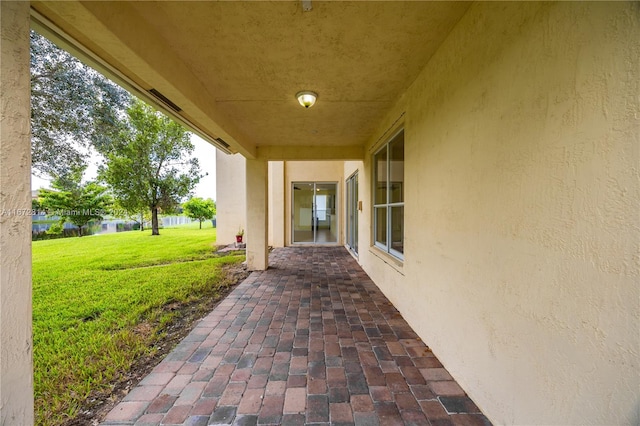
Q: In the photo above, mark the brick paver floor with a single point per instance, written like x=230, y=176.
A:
x=309, y=341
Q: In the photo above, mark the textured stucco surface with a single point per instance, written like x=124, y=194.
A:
x=276, y=203
x=522, y=139
x=236, y=71
x=257, y=215
x=232, y=194
x=16, y=377
x=231, y=203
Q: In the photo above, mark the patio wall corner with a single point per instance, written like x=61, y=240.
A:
x=522, y=201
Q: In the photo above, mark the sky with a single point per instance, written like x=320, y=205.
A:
x=206, y=154
x=204, y=151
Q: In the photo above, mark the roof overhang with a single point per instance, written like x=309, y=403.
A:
x=229, y=70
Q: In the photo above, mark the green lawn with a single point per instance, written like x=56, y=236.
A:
x=93, y=296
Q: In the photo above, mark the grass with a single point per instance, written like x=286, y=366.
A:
x=98, y=305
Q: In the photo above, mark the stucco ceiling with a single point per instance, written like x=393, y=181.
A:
x=233, y=67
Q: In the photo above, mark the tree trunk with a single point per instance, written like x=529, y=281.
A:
x=79, y=231
x=154, y=221
x=141, y=222
x=200, y=223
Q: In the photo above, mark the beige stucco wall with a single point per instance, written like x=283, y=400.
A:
x=16, y=343
x=231, y=194
x=522, y=139
x=231, y=190
x=257, y=232
x=317, y=171
x=350, y=167
x=276, y=203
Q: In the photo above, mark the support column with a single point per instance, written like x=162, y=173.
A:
x=231, y=196
x=257, y=215
x=16, y=356
x=277, y=210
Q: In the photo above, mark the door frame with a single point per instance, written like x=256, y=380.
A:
x=351, y=212
x=336, y=209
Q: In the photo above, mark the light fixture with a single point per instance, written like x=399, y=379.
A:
x=307, y=98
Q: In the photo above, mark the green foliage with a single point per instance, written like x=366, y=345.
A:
x=140, y=215
x=200, y=209
x=148, y=164
x=72, y=106
x=36, y=206
x=55, y=229
x=92, y=297
x=75, y=202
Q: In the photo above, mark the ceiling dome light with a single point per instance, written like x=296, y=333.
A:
x=306, y=98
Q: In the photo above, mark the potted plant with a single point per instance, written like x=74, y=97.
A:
x=239, y=235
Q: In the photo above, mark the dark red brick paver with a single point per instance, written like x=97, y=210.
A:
x=309, y=341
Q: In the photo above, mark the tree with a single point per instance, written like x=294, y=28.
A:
x=148, y=163
x=200, y=209
x=140, y=215
x=75, y=202
x=72, y=107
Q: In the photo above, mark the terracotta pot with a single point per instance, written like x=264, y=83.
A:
x=238, y=238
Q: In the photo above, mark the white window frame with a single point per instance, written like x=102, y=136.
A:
x=387, y=248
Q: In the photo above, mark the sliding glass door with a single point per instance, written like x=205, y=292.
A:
x=314, y=212
x=352, y=212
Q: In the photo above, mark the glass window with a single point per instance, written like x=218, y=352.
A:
x=397, y=229
x=396, y=169
x=381, y=225
x=380, y=161
x=388, y=209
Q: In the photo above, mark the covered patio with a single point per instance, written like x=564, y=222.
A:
x=494, y=150
x=311, y=340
